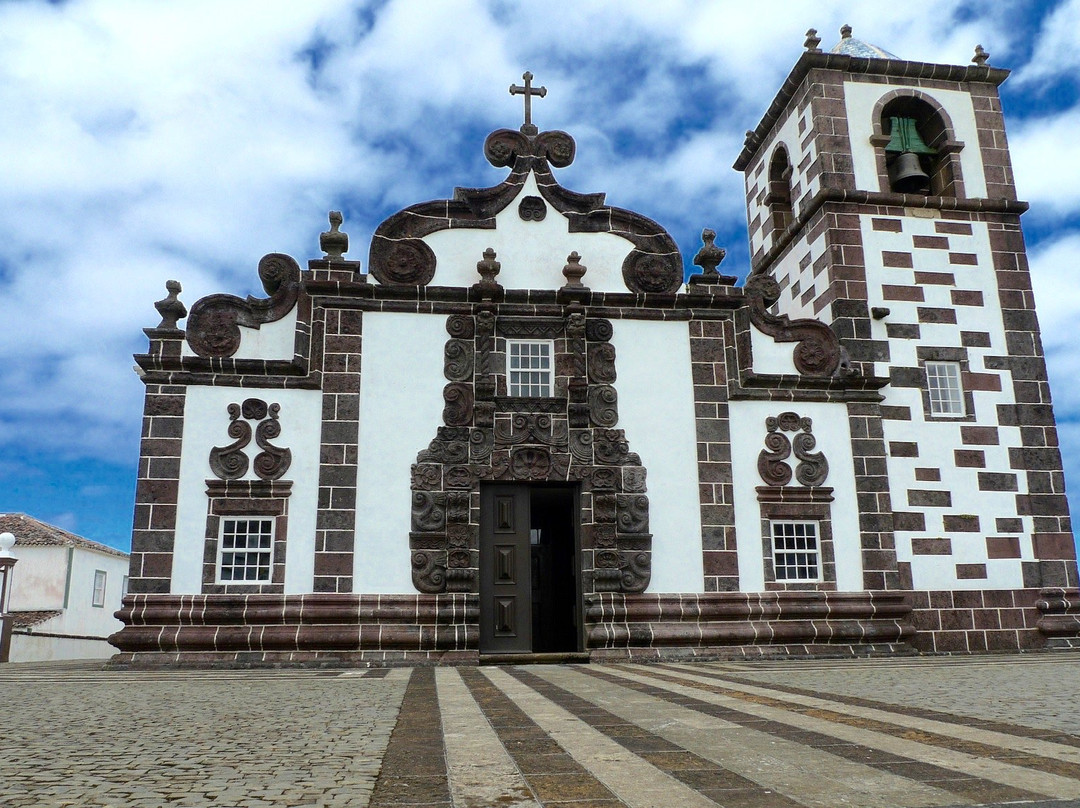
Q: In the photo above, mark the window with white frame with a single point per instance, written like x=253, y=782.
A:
x=99, y=588
x=246, y=550
x=796, y=553
x=943, y=386
x=529, y=371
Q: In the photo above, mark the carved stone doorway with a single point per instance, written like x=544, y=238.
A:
x=530, y=572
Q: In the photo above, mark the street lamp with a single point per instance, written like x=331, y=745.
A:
x=7, y=564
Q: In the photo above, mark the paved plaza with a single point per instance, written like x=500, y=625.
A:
x=822, y=733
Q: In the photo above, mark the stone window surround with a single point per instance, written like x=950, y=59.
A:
x=947, y=374
x=959, y=356
x=251, y=499
x=798, y=504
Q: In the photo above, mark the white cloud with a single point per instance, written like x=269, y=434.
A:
x=1055, y=51
x=1057, y=298
x=1046, y=160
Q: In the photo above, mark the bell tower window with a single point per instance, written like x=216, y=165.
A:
x=779, y=196
x=917, y=150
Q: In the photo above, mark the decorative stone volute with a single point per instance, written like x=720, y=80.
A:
x=170, y=308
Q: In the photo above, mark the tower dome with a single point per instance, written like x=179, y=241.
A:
x=849, y=46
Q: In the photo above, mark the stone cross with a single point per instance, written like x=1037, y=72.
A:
x=528, y=91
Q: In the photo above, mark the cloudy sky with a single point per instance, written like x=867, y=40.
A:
x=142, y=141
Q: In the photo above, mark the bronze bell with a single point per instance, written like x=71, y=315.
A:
x=906, y=175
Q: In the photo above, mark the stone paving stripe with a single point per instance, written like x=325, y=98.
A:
x=1030, y=753
x=872, y=749
x=911, y=743
x=552, y=774
x=700, y=774
x=1003, y=727
x=414, y=765
x=636, y=782
x=812, y=776
x=481, y=772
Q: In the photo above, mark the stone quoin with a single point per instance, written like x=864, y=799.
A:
x=522, y=431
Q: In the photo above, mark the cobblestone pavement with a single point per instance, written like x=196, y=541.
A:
x=816, y=733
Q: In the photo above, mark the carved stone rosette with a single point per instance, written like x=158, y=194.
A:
x=812, y=468
x=570, y=437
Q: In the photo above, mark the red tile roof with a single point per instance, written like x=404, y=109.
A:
x=30, y=532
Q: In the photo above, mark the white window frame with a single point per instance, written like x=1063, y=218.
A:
x=945, y=389
x=228, y=562
x=788, y=545
x=101, y=578
x=536, y=380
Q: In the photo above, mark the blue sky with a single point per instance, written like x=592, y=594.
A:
x=142, y=141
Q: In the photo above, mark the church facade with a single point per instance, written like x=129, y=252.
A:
x=520, y=431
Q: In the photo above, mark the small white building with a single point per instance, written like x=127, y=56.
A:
x=65, y=590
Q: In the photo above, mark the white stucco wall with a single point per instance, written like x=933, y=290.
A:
x=400, y=410
x=859, y=100
x=656, y=408
x=532, y=254
x=206, y=421
x=771, y=356
x=830, y=428
x=35, y=648
x=39, y=578
x=938, y=439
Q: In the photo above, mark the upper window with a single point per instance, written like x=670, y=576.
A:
x=796, y=555
x=943, y=386
x=529, y=368
x=246, y=550
x=99, y=587
x=779, y=196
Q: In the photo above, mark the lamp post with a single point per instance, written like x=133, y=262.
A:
x=7, y=564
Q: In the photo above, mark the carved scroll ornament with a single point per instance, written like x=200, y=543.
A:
x=231, y=462
x=213, y=327
x=818, y=352
x=812, y=469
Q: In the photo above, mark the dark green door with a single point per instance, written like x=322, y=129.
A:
x=505, y=578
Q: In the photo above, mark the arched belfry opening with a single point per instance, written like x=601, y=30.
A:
x=779, y=196
x=918, y=148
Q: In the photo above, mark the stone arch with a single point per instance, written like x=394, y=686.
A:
x=936, y=128
x=778, y=198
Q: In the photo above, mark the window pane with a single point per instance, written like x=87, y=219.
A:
x=529, y=372
x=943, y=387
x=246, y=550
x=795, y=551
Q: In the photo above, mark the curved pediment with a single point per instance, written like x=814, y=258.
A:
x=532, y=223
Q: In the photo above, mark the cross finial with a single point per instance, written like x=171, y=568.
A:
x=528, y=91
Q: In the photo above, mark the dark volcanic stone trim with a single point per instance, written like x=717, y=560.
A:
x=716, y=489
x=414, y=765
x=154, y=525
x=213, y=325
x=399, y=256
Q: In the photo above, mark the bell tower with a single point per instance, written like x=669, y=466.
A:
x=880, y=197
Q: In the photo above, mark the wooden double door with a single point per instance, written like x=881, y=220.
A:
x=530, y=570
